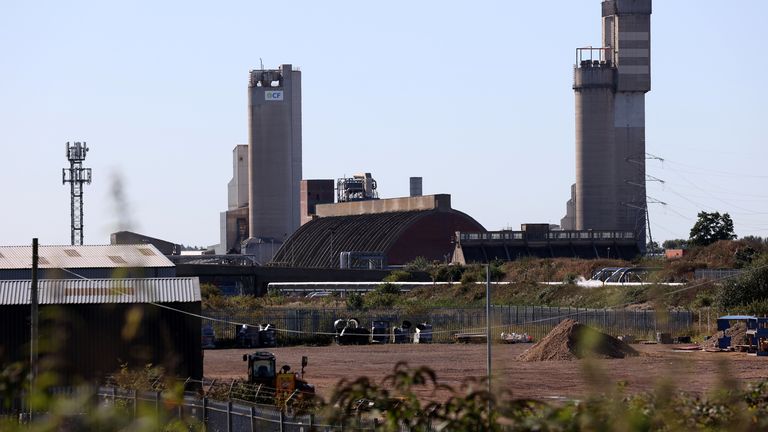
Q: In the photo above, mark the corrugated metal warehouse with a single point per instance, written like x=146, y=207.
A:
x=89, y=327
x=93, y=262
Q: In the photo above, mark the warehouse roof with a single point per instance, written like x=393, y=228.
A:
x=100, y=291
x=400, y=236
x=102, y=256
x=318, y=243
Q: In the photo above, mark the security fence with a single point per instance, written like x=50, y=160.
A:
x=215, y=415
x=296, y=326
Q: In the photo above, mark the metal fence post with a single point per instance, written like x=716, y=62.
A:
x=229, y=416
x=282, y=421
x=253, y=414
x=205, y=410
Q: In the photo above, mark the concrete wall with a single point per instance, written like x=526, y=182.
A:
x=426, y=202
x=234, y=229
x=238, y=186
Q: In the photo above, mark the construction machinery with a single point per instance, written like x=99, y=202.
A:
x=349, y=332
x=256, y=336
x=284, y=387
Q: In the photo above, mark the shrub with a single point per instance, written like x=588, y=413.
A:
x=384, y=296
x=446, y=273
x=355, y=301
x=208, y=290
x=750, y=287
x=398, y=276
x=419, y=264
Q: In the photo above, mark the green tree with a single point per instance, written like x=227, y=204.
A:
x=711, y=227
x=653, y=247
x=675, y=244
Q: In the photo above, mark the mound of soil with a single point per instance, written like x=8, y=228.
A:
x=737, y=332
x=571, y=340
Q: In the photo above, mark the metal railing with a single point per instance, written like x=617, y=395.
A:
x=549, y=236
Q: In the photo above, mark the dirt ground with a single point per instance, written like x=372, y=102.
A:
x=697, y=372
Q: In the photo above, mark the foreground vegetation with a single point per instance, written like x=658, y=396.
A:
x=392, y=404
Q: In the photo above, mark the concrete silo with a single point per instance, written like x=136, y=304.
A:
x=274, y=158
x=610, y=85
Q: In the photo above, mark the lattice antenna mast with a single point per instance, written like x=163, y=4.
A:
x=76, y=176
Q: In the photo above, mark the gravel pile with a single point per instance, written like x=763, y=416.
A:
x=571, y=341
x=737, y=332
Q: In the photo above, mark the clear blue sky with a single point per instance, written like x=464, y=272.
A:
x=476, y=98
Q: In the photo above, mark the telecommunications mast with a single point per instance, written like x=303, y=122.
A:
x=76, y=176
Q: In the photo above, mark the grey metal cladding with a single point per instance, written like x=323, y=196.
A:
x=101, y=291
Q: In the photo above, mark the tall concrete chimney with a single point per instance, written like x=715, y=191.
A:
x=416, y=186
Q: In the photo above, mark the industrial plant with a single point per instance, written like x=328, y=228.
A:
x=610, y=83
x=605, y=217
x=267, y=172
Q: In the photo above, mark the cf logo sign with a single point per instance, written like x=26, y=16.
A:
x=273, y=95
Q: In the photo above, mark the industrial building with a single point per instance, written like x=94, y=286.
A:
x=391, y=231
x=234, y=221
x=539, y=240
x=101, y=307
x=314, y=192
x=610, y=83
x=132, y=238
x=92, y=262
x=264, y=193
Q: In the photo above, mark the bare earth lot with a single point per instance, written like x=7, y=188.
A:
x=696, y=372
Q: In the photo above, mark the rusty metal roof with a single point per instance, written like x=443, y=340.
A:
x=318, y=242
x=100, y=291
x=103, y=256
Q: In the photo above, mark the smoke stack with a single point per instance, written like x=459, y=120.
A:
x=415, y=186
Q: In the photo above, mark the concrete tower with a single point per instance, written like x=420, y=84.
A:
x=610, y=85
x=274, y=162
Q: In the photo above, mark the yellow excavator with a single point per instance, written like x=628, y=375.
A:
x=284, y=386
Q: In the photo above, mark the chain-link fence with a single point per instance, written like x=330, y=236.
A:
x=297, y=326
